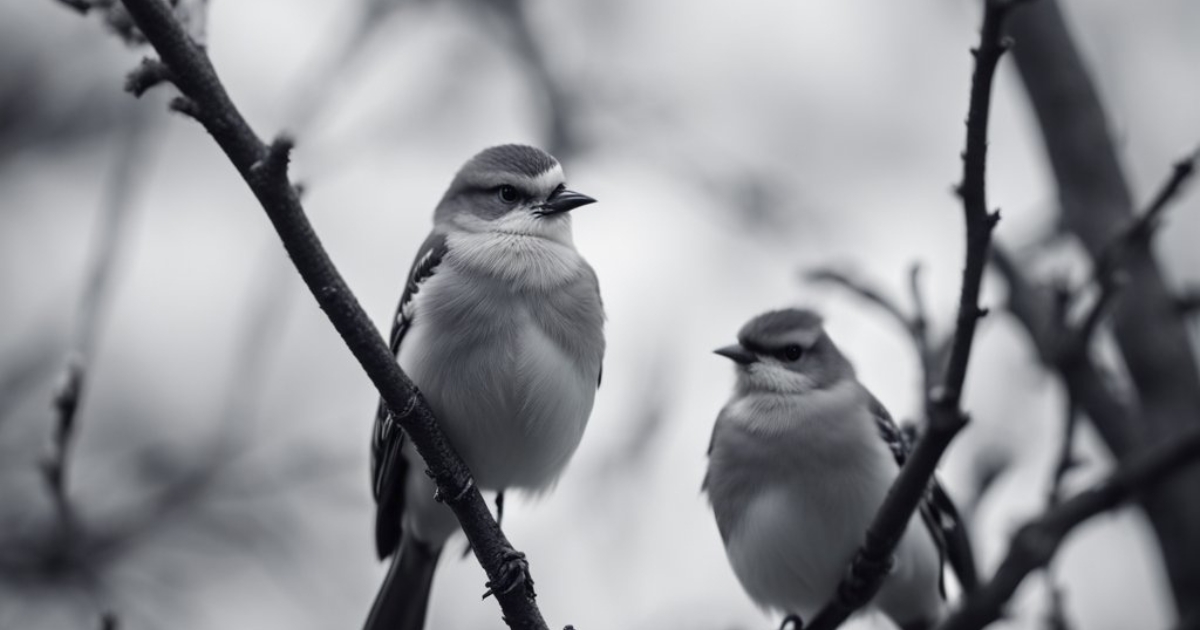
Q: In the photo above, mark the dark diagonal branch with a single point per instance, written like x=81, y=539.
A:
x=1036, y=542
x=264, y=170
x=946, y=418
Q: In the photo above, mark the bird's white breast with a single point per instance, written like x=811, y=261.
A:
x=811, y=473
x=796, y=534
x=512, y=401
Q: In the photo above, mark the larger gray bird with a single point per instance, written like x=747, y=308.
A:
x=800, y=460
x=501, y=328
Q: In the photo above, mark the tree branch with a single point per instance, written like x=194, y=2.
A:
x=1188, y=303
x=263, y=169
x=1036, y=309
x=1152, y=337
x=1036, y=542
x=1110, y=269
x=946, y=418
x=1056, y=618
x=915, y=325
x=560, y=136
x=79, y=6
x=93, y=306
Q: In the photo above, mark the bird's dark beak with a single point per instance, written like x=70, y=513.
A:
x=737, y=354
x=563, y=200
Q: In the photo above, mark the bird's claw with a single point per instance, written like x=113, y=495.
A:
x=514, y=571
x=795, y=620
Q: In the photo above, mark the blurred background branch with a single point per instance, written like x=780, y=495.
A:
x=102, y=270
x=1036, y=542
x=218, y=468
x=1096, y=207
x=931, y=352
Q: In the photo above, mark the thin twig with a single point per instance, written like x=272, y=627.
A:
x=916, y=326
x=1140, y=229
x=36, y=355
x=259, y=165
x=1039, y=311
x=873, y=560
x=863, y=290
x=919, y=327
x=80, y=6
x=93, y=307
x=1066, y=461
x=1036, y=542
x=561, y=138
x=1056, y=618
x=1110, y=264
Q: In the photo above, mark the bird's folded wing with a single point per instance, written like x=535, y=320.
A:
x=937, y=510
x=388, y=466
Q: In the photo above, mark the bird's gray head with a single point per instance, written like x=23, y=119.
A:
x=513, y=189
x=788, y=352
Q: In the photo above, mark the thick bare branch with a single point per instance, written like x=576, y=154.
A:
x=261, y=167
x=1036, y=542
x=1149, y=331
x=946, y=418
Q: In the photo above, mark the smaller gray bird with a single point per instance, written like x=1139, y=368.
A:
x=801, y=458
x=501, y=328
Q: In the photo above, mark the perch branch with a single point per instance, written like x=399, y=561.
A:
x=946, y=418
x=263, y=169
x=1036, y=542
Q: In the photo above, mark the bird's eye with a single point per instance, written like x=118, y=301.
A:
x=792, y=352
x=508, y=194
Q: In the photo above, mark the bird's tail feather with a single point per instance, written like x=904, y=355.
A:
x=404, y=596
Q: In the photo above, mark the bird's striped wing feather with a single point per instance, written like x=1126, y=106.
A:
x=937, y=509
x=388, y=466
